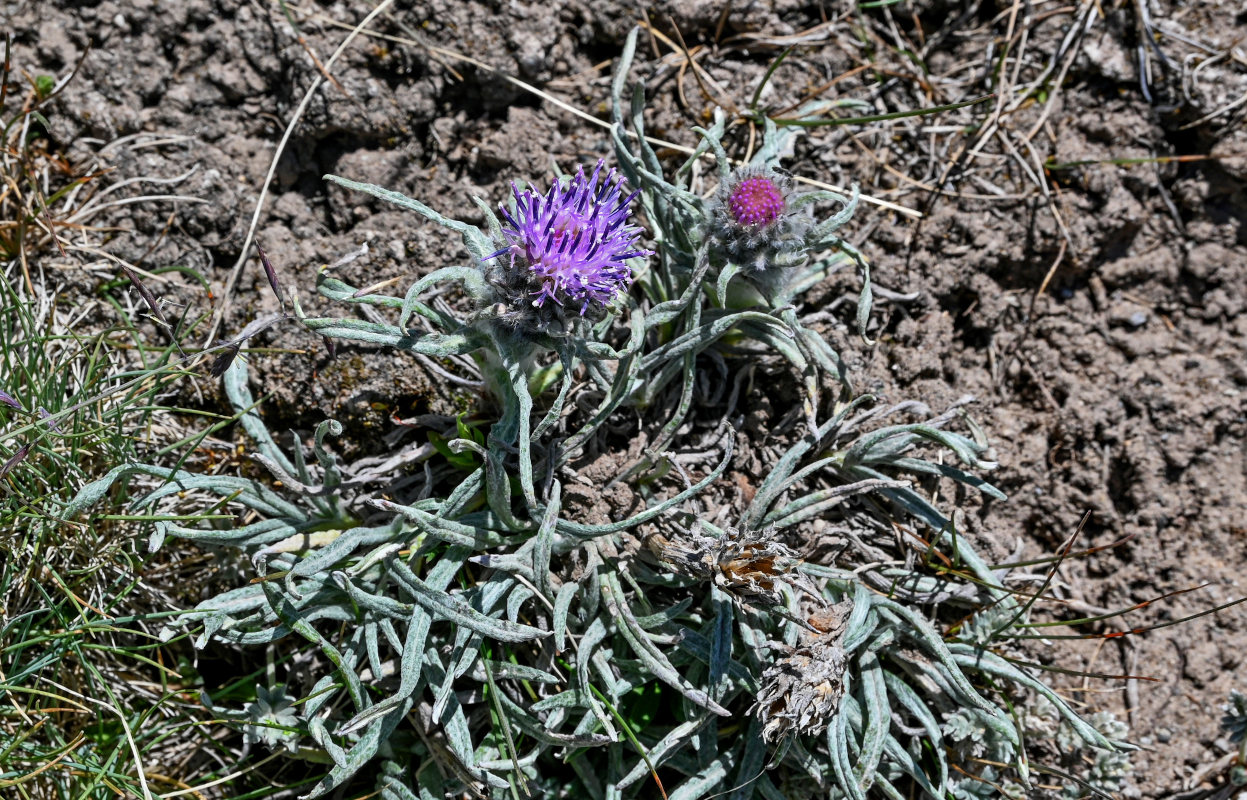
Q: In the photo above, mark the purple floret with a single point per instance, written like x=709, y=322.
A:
x=574, y=241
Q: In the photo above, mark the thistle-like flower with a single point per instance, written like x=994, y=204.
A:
x=754, y=220
x=569, y=247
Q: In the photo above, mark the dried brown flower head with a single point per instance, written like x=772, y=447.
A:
x=747, y=563
x=802, y=691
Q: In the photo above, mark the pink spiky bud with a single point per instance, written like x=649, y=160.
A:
x=756, y=201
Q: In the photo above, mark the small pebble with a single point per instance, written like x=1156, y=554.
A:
x=1138, y=319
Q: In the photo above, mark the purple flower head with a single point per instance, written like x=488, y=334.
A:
x=9, y=400
x=756, y=224
x=756, y=201
x=573, y=243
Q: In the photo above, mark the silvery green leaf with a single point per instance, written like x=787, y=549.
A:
x=343, y=545
x=410, y=671
x=393, y=782
x=841, y=759
x=568, y=699
x=578, y=529
x=657, y=620
x=752, y=763
x=593, y=636
x=986, y=661
x=239, y=393
x=562, y=605
x=448, y=531
x=706, y=781
x=698, y=646
x=516, y=600
x=862, y=620
x=544, y=544
x=648, y=653
x=504, y=670
x=448, y=607
x=583, y=737
x=475, y=241
x=878, y=720
x=676, y=738
x=256, y=534
x=931, y=468
x=720, y=641
x=910, y=700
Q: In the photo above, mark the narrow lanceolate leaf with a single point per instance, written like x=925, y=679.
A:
x=914, y=704
x=752, y=763
x=146, y=294
x=676, y=738
x=545, y=540
x=270, y=273
x=562, y=605
x=878, y=721
x=505, y=670
x=721, y=642
x=649, y=654
x=15, y=459
x=841, y=759
x=224, y=359
x=445, y=606
x=702, y=784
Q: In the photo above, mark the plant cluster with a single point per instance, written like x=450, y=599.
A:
x=1234, y=723
x=480, y=630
